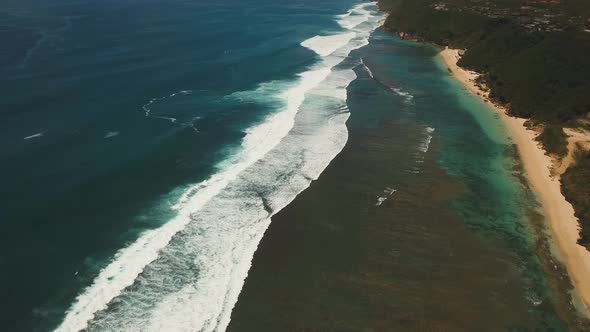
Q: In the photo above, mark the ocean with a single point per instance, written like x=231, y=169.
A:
x=423, y=222
x=146, y=146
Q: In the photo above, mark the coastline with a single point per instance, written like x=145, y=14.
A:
x=343, y=255
x=558, y=212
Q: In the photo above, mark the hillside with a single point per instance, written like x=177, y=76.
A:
x=533, y=55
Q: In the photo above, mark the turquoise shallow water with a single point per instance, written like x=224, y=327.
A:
x=145, y=146
x=496, y=203
x=423, y=222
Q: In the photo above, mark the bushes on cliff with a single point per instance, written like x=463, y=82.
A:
x=576, y=190
x=547, y=81
x=543, y=76
x=554, y=140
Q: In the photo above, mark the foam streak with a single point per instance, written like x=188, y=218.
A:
x=188, y=273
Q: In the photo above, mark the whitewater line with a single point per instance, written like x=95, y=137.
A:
x=367, y=68
x=131, y=261
x=34, y=135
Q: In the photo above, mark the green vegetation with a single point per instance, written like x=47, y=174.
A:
x=554, y=140
x=535, y=59
x=538, y=75
x=422, y=22
x=547, y=81
x=577, y=191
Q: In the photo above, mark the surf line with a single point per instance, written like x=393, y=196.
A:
x=37, y=135
x=408, y=97
x=147, y=109
x=131, y=261
x=388, y=192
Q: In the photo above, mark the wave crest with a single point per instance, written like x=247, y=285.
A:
x=187, y=274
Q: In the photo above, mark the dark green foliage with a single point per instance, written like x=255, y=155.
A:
x=577, y=191
x=554, y=140
x=547, y=81
x=500, y=42
x=544, y=76
x=440, y=27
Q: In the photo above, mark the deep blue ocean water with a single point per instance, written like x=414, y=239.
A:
x=145, y=145
x=121, y=119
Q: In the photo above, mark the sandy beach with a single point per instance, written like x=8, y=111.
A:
x=558, y=212
x=417, y=209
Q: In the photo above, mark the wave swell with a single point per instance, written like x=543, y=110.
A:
x=187, y=274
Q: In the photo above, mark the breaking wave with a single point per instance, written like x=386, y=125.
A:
x=367, y=69
x=426, y=142
x=187, y=274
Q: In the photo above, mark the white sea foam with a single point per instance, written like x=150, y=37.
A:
x=37, y=135
x=187, y=274
x=129, y=262
x=355, y=16
x=408, y=97
x=111, y=134
x=147, y=108
x=169, y=118
x=367, y=68
x=350, y=21
x=423, y=147
x=326, y=45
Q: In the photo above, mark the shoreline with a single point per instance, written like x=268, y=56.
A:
x=350, y=258
x=558, y=212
